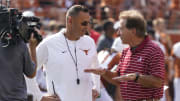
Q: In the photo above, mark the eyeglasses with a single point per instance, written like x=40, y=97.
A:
x=85, y=23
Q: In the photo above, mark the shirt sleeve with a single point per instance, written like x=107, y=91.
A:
x=42, y=54
x=95, y=64
x=157, y=65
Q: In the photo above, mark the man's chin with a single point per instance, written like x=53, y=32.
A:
x=82, y=35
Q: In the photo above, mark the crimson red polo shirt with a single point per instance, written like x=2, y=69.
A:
x=146, y=59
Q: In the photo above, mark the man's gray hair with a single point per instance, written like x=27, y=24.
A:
x=134, y=19
x=74, y=10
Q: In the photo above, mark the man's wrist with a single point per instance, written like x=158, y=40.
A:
x=103, y=72
x=137, y=77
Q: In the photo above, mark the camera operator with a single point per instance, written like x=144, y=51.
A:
x=16, y=60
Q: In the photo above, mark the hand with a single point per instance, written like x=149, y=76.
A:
x=98, y=71
x=42, y=89
x=95, y=94
x=50, y=98
x=32, y=41
x=127, y=77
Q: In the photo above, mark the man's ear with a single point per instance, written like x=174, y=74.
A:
x=70, y=19
x=133, y=30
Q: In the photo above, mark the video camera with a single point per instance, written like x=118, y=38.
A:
x=13, y=24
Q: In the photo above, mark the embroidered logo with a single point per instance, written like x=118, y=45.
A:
x=140, y=59
x=85, y=51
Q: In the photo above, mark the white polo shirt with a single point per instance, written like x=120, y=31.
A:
x=53, y=54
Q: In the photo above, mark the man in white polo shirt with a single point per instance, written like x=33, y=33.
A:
x=65, y=55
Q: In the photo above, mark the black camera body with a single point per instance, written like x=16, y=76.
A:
x=13, y=25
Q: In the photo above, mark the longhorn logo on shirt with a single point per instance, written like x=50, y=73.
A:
x=85, y=51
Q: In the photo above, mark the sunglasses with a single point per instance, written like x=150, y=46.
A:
x=85, y=23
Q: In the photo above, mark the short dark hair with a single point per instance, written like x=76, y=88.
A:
x=74, y=10
x=106, y=24
x=134, y=19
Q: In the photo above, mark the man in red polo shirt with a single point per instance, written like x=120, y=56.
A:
x=141, y=70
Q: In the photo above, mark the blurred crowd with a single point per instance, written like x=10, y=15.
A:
x=100, y=10
x=159, y=14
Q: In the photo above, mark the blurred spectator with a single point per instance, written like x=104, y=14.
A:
x=106, y=40
x=161, y=35
x=175, y=9
x=53, y=28
x=114, y=6
x=151, y=34
x=109, y=59
x=93, y=34
x=98, y=28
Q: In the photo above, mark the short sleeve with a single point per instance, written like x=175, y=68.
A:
x=95, y=64
x=42, y=54
x=157, y=64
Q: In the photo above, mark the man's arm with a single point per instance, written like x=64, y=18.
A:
x=32, y=47
x=148, y=81
x=106, y=74
x=115, y=60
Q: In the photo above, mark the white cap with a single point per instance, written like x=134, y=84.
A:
x=28, y=14
x=176, y=49
x=118, y=45
x=116, y=25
